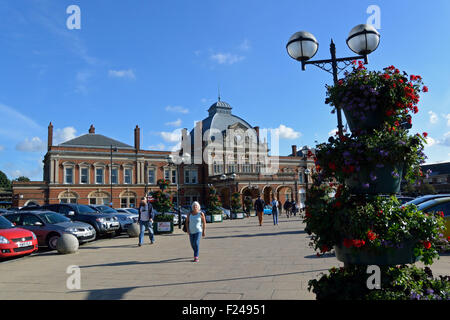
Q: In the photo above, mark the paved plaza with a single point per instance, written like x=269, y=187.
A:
x=238, y=260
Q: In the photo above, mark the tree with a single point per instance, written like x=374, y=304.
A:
x=235, y=202
x=214, y=203
x=162, y=202
x=5, y=183
x=22, y=179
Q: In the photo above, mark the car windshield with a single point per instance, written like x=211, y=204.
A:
x=106, y=209
x=5, y=223
x=53, y=217
x=418, y=200
x=86, y=209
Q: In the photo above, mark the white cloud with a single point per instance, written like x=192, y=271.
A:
x=175, y=123
x=286, y=132
x=226, y=58
x=129, y=74
x=174, y=136
x=447, y=116
x=446, y=141
x=333, y=132
x=177, y=109
x=159, y=146
x=176, y=147
x=433, y=117
x=63, y=135
x=245, y=45
x=430, y=141
x=33, y=145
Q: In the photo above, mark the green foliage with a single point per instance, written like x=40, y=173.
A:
x=248, y=204
x=5, y=183
x=235, y=202
x=22, y=179
x=163, y=218
x=335, y=217
x=397, y=283
x=214, y=203
x=162, y=202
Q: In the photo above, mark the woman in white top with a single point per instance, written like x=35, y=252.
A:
x=195, y=226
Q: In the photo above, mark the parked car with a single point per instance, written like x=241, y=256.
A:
x=127, y=210
x=103, y=223
x=15, y=241
x=404, y=199
x=267, y=209
x=125, y=219
x=48, y=226
x=437, y=205
x=421, y=199
x=172, y=213
x=3, y=211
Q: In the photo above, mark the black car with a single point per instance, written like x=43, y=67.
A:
x=103, y=223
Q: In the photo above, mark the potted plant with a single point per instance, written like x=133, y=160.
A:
x=249, y=206
x=236, y=208
x=373, y=163
x=371, y=98
x=370, y=230
x=214, y=211
x=163, y=184
x=163, y=222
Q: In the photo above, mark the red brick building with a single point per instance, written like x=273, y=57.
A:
x=91, y=167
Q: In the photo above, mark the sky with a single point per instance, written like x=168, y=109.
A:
x=159, y=63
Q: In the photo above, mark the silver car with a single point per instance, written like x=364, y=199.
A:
x=48, y=226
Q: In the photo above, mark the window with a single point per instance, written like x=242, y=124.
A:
x=30, y=220
x=127, y=178
x=174, y=176
x=301, y=178
x=114, y=176
x=246, y=168
x=151, y=176
x=166, y=174
x=84, y=175
x=68, y=176
x=99, y=175
x=170, y=175
x=190, y=176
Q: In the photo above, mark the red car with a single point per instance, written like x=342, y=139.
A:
x=15, y=241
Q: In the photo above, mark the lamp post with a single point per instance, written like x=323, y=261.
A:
x=110, y=174
x=223, y=177
x=363, y=39
x=172, y=163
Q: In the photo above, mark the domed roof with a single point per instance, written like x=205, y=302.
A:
x=220, y=118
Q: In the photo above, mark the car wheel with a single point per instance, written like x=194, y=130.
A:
x=52, y=241
x=118, y=232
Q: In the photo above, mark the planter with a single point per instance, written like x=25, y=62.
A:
x=252, y=214
x=161, y=227
x=216, y=218
x=238, y=215
x=384, y=184
x=208, y=218
x=373, y=120
x=382, y=256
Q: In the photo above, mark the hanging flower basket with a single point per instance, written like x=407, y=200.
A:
x=385, y=179
x=400, y=254
x=372, y=119
x=163, y=184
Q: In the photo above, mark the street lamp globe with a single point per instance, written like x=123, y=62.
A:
x=302, y=46
x=223, y=177
x=233, y=176
x=363, y=39
x=307, y=171
x=305, y=151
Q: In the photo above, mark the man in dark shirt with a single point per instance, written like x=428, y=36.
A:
x=259, y=208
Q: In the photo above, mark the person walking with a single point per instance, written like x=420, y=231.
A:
x=145, y=221
x=275, y=206
x=195, y=227
x=259, y=208
x=287, y=208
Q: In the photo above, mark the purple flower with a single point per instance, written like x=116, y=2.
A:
x=373, y=177
x=430, y=291
x=395, y=174
x=365, y=185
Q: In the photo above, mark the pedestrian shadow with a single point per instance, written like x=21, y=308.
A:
x=118, y=293
x=131, y=263
x=326, y=255
x=257, y=234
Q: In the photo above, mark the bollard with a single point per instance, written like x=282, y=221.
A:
x=67, y=243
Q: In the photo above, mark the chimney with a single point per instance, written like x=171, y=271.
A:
x=92, y=129
x=294, y=150
x=137, y=138
x=257, y=132
x=50, y=136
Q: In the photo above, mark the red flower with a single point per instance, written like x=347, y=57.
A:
x=397, y=123
x=425, y=89
x=415, y=109
x=348, y=243
x=390, y=113
x=380, y=212
x=332, y=166
x=425, y=134
x=341, y=82
x=371, y=235
x=386, y=76
x=324, y=249
x=337, y=204
x=358, y=243
x=427, y=244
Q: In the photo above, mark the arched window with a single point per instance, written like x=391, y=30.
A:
x=68, y=197
x=99, y=197
x=128, y=199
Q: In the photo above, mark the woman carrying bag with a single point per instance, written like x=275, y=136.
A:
x=195, y=226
